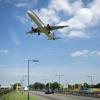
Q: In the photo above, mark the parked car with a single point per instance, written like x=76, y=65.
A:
x=48, y=91
x=86, y=91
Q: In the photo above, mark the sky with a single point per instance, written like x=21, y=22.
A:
x=75, y=56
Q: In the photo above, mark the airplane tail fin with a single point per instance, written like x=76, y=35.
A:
x=29, y=32
x=54, y=38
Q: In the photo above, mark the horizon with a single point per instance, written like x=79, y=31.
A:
x=76, y=55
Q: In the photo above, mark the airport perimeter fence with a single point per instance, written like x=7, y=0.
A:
x=76, y=93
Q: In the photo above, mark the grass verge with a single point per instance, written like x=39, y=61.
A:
x=17, y=96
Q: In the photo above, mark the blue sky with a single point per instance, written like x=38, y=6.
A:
x=76, y=55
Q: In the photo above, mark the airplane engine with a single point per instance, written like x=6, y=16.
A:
x=35, y=30
x=48, y=26
x=32, y=28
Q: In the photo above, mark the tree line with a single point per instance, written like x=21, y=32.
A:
x=40, y=86
x=57, y=86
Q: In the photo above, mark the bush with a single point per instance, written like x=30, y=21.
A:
x=4, y=91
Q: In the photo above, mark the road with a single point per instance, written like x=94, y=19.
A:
x=42, y=96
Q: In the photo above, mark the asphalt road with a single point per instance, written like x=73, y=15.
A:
x=42, y=96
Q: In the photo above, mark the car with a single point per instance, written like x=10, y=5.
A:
x=48, y=91
x=86, y=91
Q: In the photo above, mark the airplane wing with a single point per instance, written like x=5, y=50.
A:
x=57, y=27
x=30, y=32
x=33, y=30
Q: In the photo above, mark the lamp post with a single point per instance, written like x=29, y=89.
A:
x=28, y=73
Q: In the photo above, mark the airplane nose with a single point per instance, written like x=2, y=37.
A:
x=28, y=11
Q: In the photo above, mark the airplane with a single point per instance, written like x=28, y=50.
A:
x=42, y=28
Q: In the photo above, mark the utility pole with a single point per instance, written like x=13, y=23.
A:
x=91, y=78
x=67, y=84
x=45, y=81
x=59, y=76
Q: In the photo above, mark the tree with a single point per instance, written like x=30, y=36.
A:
x=76, y=86
x=97, y=85
x=85, y=85
x=15, y=85
x=70, y=87
x=38, y=85
x=53, y=86
x=30, y=86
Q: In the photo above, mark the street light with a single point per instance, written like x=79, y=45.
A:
x=28, y=73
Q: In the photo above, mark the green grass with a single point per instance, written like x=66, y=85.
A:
x=17, y=96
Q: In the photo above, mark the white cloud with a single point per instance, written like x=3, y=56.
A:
x=48, y=16
x=21, y=4
x=51, y=13
x=95, y=52
x=61, y=5
x=78, y=4
x=3, y=50
x=26, y=3
x=22, y=19
x=85, y=17
x=94, y=7
x=85, y=53
x=15, y=37
x=78, y=34
x=80, y=53
x=81, y=19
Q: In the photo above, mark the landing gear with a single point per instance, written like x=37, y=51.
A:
x=54, y=39
x=48, y=32
x=48, y=26
x=53, y=36
x=32, y=28
x=38, y=33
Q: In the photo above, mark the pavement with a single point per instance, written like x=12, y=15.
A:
x=43, y=96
